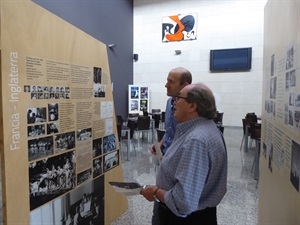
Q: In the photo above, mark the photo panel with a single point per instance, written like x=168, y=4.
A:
x=51, y=177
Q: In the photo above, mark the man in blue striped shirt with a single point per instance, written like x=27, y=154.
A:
x=177, y=79
x=192, y=177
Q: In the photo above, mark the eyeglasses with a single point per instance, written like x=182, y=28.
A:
x=176, y=98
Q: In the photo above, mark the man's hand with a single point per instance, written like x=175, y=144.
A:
x=152, y=149
x=148, y=192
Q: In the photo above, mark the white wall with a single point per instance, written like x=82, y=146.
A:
x=220, y=24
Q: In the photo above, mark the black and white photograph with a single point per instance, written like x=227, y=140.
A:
x=52, y=96
x=295, y=165
x=33, y=89
x=286, y=114
x=97, y=75
x=53, y=111
x=40, y=147
x=273, y=87
x=264, y=153
x=82, y=206
x=65, y=141
x=26, y=88
x=291, y=99
x=41, y=95
x=297, y=100
x=36, y=130
x=270, y=160
x=50, y=178
x=272, y=65
x=287, y=81
x=85, y=134
x=99, y=89
x=46, y=89
x=36, y=115
x=84, y=176
x=56, y=95
x=34, y=95
x=68, y=94
x=97, y=147
x=97, y=167
x=46, y=95
x=39, y=89
x=109, y=143
x=297, y=119
x=292, y=78
x=290, y=58
x=52, y=128
x=291, y=118
x=111, y=160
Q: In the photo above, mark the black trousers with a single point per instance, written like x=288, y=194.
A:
x=206, y=216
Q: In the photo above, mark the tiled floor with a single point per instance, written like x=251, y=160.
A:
x=239, y=206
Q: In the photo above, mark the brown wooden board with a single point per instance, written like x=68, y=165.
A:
x=59, y=134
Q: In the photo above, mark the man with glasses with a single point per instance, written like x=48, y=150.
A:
x=192, y=178
x=177, y=79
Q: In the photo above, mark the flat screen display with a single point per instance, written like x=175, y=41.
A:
x=235, y=59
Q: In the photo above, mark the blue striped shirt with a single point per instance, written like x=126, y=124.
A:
x=194, y=169
x=170, y=126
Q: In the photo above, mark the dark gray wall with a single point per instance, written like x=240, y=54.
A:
x=111, y=22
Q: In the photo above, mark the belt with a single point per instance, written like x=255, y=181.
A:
x=165, y=207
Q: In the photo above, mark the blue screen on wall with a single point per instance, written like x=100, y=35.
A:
x=236, y=59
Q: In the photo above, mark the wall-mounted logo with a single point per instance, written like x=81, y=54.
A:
x=180, y=27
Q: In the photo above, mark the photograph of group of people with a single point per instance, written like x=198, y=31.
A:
x=84, y=176
x=36, y=115
x=47, y=92
x=40, y=147
x=36, y=130
x=84, y=134
x=83, y=206
x=65, y=141
x=109, y=143
x=51, y=177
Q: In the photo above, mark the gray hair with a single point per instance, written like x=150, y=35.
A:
x=203, y=97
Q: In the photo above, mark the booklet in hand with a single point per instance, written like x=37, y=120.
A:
x=127, y=188
x=158, y=151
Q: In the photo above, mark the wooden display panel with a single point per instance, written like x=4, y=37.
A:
x=279, y=184
x=59, y=133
